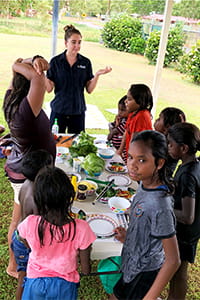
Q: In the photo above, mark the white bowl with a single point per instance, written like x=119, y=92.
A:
x=100, y=144
x=119, y=205
x=106, y=153
x=91, y=185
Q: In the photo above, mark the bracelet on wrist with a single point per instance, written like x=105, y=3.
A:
x=36, y=56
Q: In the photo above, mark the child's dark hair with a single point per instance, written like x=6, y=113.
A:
x=35, y=160
x=142, y=95
x=54, y=195
x=69, y=30
x=158, y=144
x=172, y=115
x=20, y=89
x=122, y=101
x=186, y=133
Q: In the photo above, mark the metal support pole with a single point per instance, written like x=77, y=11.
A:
x=161, y=52
x=55, y=26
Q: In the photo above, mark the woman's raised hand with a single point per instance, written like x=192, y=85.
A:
x=40, y=65
x=19, y=60
x=104, y=71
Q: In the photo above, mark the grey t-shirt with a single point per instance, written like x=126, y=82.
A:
x=151, y=220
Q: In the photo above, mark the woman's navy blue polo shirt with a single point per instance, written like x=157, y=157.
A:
x=69, y=83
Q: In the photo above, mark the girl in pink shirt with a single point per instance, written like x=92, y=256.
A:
x=56, y=240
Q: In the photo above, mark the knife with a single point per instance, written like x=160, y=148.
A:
x=69, y=138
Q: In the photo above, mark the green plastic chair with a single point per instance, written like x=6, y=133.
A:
x=111, y=267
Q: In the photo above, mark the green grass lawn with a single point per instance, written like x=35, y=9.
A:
x=127, y=69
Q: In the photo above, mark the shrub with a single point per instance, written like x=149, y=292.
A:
x=190, y=63
x=151, y=51
x=194, y=63
x=118, y=32
x=137, y=45
x=174, y=46
x=183, y=63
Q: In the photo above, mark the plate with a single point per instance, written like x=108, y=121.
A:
x=103, y=226
x=116, y=167
x=119, y=180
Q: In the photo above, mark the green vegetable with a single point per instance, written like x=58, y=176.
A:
x=84, y=145
x=93, y=164
x=131, y=190
x=109, y=193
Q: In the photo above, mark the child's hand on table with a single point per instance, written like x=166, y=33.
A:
x=120, y=234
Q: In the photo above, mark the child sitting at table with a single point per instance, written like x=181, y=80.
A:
x=139, y=103
x=117, y=127
x=31, y=164
x=167, y=118
x=56, y=240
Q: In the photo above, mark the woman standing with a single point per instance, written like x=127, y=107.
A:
x=69, y=74
x=29, y=127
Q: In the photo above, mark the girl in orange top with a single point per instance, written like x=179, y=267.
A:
x=139, y=103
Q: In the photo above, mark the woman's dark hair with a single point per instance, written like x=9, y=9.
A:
x=172, y=115
x=186, y=133
x=69, y=30
x=157, y=142
x=20, y=89
x=54, y=195
x=35, y=160
x=142, y=95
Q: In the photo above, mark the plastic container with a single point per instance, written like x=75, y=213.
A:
x=77, y=164
x=74, y=183
x=82, y=192
x=55, y=128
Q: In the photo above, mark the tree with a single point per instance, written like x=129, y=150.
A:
x=77, y=7
x=187, y=8
x=25, y=4
x=9, y=8
x=148, y=6
x=14, y=7
x=93, y=7
x=120, y=6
